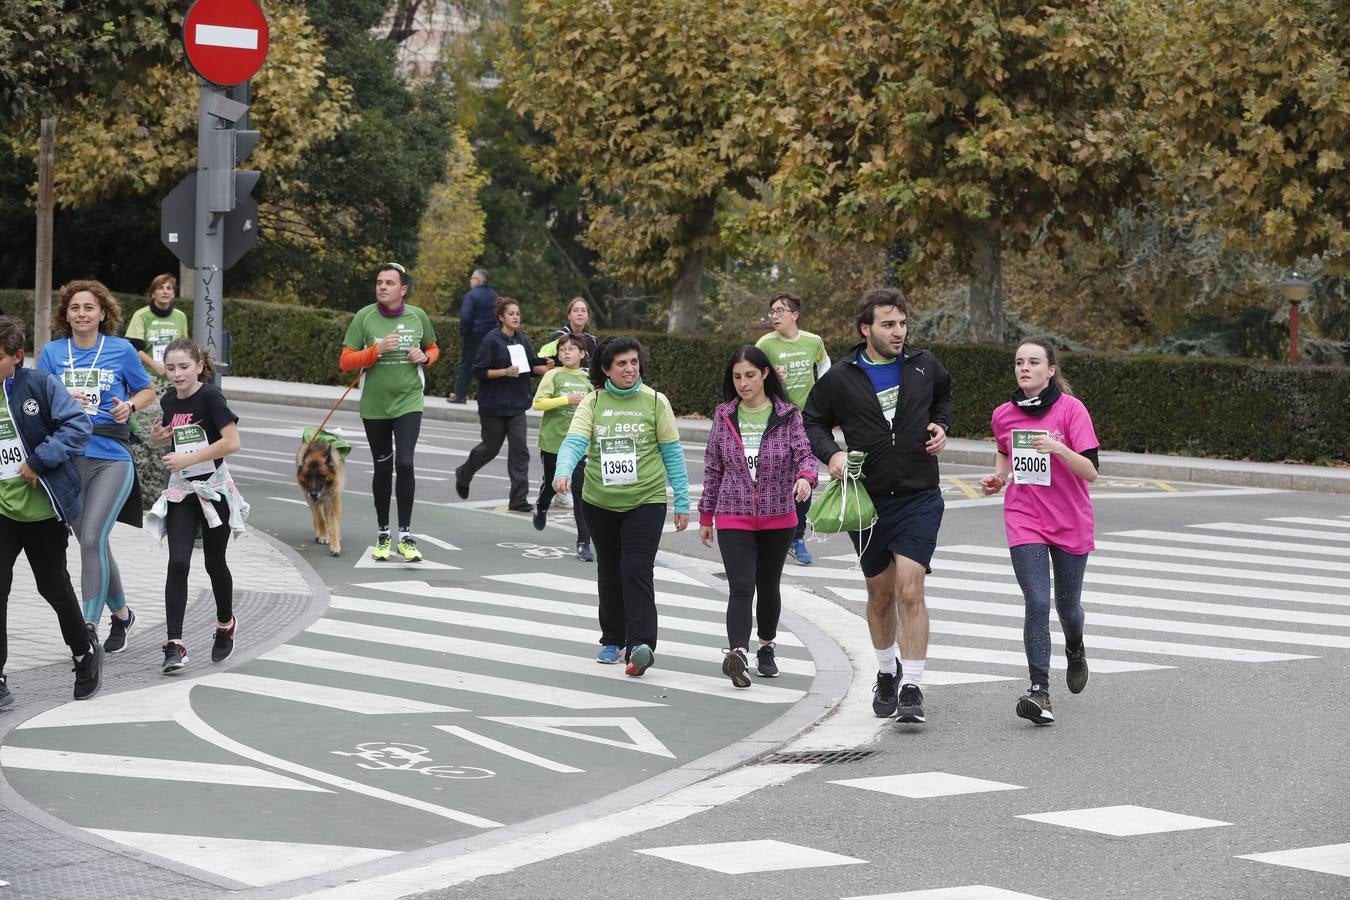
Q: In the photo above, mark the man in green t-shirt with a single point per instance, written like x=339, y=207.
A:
x=155, y=325
x=391, y=341
x=799, y=357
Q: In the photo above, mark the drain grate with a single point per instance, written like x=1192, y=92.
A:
x=817, y=757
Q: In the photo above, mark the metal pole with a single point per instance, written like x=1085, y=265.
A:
x=1293, y=331
x=42, y=287
x=208, y=288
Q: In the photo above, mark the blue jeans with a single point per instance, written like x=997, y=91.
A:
x=1032, y=564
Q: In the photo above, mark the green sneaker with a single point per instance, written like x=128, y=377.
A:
x=407, y=548
x=383, y=547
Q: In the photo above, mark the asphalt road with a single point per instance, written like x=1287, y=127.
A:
x=450, y=705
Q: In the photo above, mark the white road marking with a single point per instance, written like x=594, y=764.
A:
x=568, y=584
x=361, y=702
x=745, y=857
x=964, y=892
x=1308, y=520
x=533, y=628
x=1249, y=559
x=254, y=863
x=107, y=765
x=436, y=542
x=1272, y=530
x=1124, y=821
x=1231, y=542
x=640, y=738
x=1331, y=859
x=515, y=753
x=289, y=500
x=365, y=561
x=529, y=692
x=1019, y=659
x=922, y=785
x=553, y=662
x=152, y=704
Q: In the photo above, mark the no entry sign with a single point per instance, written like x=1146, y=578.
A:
x=225, y=40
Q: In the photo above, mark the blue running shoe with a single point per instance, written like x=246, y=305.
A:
x=799, y=552
x=608, y=655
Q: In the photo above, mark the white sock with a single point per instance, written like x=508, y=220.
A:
x=885, y=660
x=404, y=535
x=912, y=671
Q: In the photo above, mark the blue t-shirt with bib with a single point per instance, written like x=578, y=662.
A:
x=885, y=382
x=107, y=372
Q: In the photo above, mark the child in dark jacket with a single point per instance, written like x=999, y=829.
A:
x=42, y=430
x=757, y=466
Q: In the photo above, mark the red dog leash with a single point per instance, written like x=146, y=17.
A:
x=332, y=410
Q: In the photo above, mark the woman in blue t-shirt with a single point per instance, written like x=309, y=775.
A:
x=105, y=376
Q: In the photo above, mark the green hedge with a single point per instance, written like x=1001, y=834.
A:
x=1143, y=403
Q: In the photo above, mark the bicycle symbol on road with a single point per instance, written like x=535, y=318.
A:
x=536, y=551
x=384, y=756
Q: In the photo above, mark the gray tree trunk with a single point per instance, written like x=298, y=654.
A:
x=687, y=290
x=986, y=285
x=42, y=288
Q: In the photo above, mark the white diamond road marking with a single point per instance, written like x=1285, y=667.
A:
x=744, y=857
x=918, y=785
x=965, y=892
x=254, y=863
x=106, y=765
x=1123, y=821
x=640, y=738
x=1331, y=859
x=516, y=753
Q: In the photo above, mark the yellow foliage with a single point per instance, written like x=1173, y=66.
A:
x=451, y=233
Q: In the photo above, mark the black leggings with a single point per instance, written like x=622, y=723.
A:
x=180, y=526
x=546, y=493
x=625, y=555
x=384, y=435
x=754, y=565
x=44, y=543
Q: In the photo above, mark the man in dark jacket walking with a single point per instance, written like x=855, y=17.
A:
x=894, y=404
x=477, y=317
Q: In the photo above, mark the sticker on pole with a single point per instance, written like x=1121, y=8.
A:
x=225, y=40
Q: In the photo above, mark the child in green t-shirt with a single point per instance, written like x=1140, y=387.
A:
x=559, y=392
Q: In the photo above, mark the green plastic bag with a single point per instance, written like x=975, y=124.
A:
x=844, y=504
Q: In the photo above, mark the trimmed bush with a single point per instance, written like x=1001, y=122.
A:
x=1226, y=408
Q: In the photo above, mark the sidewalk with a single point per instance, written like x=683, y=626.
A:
x=1323, y=479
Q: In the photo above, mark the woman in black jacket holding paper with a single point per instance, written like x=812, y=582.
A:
x=503, y=366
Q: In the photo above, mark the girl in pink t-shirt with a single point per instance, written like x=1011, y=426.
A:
x=1047, y=456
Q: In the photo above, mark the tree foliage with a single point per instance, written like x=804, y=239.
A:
x=451, y=236
x=53, y=50
x=1251, y=105
x=964, y=128
x=658, y=107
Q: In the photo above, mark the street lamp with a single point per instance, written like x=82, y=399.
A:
x=1295, y=290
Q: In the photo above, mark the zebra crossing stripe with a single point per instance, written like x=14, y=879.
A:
x=1273, y=530
x=1230, y=542
x=1099, y=561
x=570, y=585
x=556, y=607
x=107, y=765
x=1019, y=659
x=361, y=702
x=374, y=667
x=1250, y=559
x=531, y=628
x=543, y=659
x=1306, y=520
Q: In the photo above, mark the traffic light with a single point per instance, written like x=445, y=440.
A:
x=227, y=186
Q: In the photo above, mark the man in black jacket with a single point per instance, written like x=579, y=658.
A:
x=894, y=404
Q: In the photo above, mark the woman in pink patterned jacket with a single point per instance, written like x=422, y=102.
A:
x=758, y=465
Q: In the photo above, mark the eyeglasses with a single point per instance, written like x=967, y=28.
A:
x=779, y=311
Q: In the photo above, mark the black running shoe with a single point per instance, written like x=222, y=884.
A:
x=522, y=508
x=584, y=552
x=883, y=699
x=909, y=709
x=88, y=672
x=222, y=643
x=175, y=657
x=117, y=632
x=1077, y=676
x=6, y=698
x=461, y=487
x=540, y=519
x=764, y=661
x=1035, y=706
x=736, y=667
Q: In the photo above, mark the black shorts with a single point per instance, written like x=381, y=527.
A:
x=907, y=525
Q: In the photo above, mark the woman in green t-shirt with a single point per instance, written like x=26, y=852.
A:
x=627, y=434
x=559, y=392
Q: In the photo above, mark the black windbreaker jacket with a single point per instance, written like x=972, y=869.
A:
x=896, y=460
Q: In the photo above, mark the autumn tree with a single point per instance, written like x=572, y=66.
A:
x=657, y=107
x=1250, y=101
x=451, y=236
x=954, y=130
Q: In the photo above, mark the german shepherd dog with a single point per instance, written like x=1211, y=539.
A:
x=321, y=472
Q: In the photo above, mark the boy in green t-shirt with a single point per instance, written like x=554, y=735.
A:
x=559, y=392
x=800, y=359
x=392, y=341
